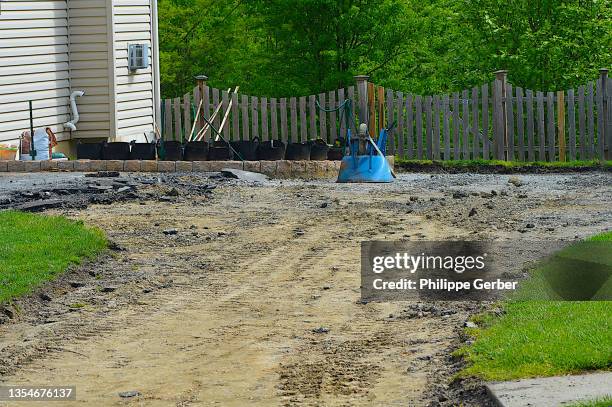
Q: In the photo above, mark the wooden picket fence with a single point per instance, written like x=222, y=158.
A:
x=492, y=121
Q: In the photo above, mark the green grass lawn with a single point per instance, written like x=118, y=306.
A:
x=605, y=402
x=36, y=248
x=503, y=165
x=603, y=237
x=541, y=338
x=582, y=271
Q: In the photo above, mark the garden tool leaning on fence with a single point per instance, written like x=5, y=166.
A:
x=365, y=159
x=236, y=154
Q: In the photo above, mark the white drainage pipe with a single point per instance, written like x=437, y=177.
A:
x=75, y=112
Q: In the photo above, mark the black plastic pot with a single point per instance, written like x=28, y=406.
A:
x=219, y=151
x=196, y=151
x=170, y=150
x=318, y=150
x=298, y=152
x=89, y=151
x=336, y=152
x=246, y=148
x=116, y=151
x=271, y=150
x=142, y=151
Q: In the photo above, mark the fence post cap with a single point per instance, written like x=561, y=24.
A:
x=501, y=73
x=361, y=78
x=603, y=71
x=201, y=77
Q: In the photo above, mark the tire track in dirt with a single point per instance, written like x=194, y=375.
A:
x=246, y=318
x=347, y=365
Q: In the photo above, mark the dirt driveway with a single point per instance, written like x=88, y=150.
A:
x=255, y=299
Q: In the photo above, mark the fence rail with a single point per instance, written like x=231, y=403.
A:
x=494, y=121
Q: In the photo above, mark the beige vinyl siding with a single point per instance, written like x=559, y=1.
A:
x=49, y=48
x=134, y=90
x=89, y=67
x=34, y=65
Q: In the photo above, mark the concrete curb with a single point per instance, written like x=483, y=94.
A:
x=550, y=391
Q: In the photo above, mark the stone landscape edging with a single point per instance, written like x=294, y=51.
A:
x=276, y=169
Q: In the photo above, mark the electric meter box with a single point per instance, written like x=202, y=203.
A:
x=138, y=56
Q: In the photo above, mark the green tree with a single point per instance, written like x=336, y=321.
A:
x=544, y=44
x=209, y=37
x=317, y=45
x=299, y=47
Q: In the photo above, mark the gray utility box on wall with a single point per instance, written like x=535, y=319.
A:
x=138, y=56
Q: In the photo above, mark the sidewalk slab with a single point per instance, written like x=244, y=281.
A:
x=551, y=391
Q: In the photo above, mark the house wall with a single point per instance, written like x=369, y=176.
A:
x=135, y=90
x=34, y=59
x=52, y=47
x=91, y=67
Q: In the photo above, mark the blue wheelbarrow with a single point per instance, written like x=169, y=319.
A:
x=365, y=161
x=369, y=166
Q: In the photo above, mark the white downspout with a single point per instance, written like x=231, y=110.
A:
x=75, y=111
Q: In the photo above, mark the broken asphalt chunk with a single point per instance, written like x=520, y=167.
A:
x=102, y=174
x=243, y=175
x=40, y=205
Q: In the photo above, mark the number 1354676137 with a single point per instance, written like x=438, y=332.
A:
x=49, y=393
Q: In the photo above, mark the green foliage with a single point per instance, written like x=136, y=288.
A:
x=298, y=47
x=203, y=37
x=507, y=166
x=35, y=248
x=321, y=44
x=544, y=44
